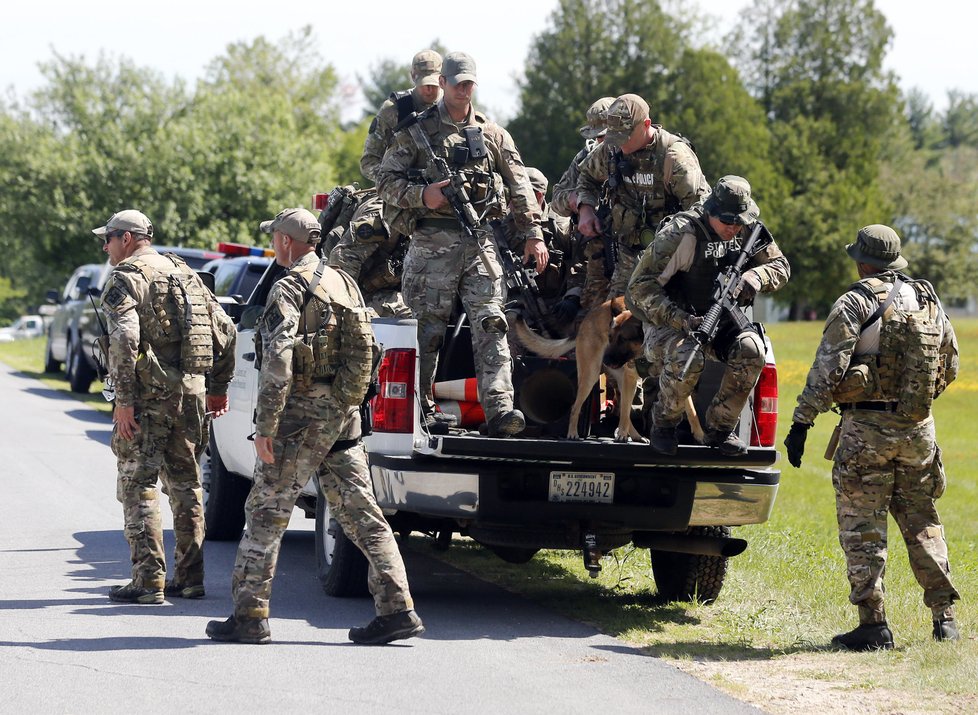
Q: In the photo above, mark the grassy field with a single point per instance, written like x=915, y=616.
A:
x=764, y=639
x=27, y=356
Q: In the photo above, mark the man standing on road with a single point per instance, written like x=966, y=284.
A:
x=170, y=343
x=887, y=351
x=425, y=68
x=672, y=288
x=316, y=351
x=442, y=261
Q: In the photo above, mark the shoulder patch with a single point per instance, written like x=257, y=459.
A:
x=114, y=297
x=272, y=318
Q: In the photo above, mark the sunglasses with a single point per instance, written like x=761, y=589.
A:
x=729, y=220
x=109, y=235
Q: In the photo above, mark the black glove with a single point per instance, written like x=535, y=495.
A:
x=795, y=442
x=565, y=310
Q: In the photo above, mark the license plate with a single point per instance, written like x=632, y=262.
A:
x=590, y=487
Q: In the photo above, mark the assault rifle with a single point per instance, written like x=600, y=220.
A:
x=458, y=197
x=521, y=279
x=723, y=301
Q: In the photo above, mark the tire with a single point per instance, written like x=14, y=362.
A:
x=688, y=577
x=80, y=373
x=50, y=364
x=340, y=565
x=224, y=497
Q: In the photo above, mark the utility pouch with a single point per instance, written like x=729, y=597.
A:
x=475, y=140
x=303, y=363
x=860, y=382
x=833, y=442
x=937, y=475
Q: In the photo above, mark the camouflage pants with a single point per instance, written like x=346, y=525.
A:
x=165, y=448
x=597, y=286
x=886, y=463
x=310, y=424
x=387, y=304
x=439, y=265
x=744, y=360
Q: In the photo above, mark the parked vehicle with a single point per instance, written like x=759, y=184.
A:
x=237, y=274
x=59, y=327
x=517, y=496
x=26, y=326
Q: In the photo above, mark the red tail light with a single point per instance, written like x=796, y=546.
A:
x=762, y=432
x=393, y=407
x=320, y=202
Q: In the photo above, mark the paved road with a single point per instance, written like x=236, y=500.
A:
x=65, y=648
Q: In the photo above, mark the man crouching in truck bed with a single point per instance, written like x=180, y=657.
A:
x=450, y=144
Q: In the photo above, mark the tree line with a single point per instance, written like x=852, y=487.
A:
x=796, y=99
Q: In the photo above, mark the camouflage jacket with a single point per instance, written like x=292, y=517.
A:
x=661, y=179
x=280, y=326
x=141, y=367
x=381, y=133
x=503, y=167
x=567, y=184
x=557, y=281
x=674, y=250
x=842, y=340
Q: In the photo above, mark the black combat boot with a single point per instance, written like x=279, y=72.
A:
x=868, y=636
x=726, y=442
x=172, y=589
x=946, y=630
x=664, y=440
x=131, y=593
x=439, y=422
x=240, y=630
x=384, y=629
x=507, y=424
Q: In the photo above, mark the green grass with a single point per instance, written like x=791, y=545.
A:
x=27, y=357
x=788, y=594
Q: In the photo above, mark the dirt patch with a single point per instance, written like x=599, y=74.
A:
x=807, y=682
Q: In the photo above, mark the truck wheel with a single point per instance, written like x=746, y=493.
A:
x=341, y=566
x=50, y=364
x=80, y=373
x=224, y=497
x=685, y=577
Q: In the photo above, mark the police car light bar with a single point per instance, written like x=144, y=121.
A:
x=239, y=249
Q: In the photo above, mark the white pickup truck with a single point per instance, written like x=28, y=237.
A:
x=517, y=496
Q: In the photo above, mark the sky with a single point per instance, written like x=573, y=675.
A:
x=932, y=50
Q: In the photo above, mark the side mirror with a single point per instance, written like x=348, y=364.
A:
x=208, y=279
x=94, y=291
x=250, y=316
x=81, y=287
x=53, y=297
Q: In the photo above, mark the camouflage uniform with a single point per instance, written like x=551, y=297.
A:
x=442, y=262
x=145, y=368
x=674, y=279
x=374, y=259
x=307, y=412
x=424, y=67
x=651, y=183
x=885, y=462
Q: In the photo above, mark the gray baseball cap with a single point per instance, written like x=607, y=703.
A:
x=425, y=68
x=537, y=180
x=299, y=224
x=458, y=67
x=879, y=246
x=129, y=220
x=730, y=201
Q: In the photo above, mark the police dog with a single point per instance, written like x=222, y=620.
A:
x=608, y=335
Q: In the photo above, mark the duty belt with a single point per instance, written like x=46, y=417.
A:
x=447, y=223
x=874, y=406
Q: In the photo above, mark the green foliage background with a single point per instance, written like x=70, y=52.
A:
x=796, y=99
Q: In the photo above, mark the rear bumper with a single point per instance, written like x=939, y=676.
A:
x=650, y=495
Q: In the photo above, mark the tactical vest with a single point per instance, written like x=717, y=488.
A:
x=693, y=289
x=637, y=185
x=178, y=311
x=907, y=369
x=471, y=152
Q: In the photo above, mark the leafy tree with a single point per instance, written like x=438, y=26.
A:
x=960, y=121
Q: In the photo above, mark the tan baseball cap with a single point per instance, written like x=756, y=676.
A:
x=596, y=120
x=458, y=67
x=537, y=180
x=624, y=114
x=299, y=224
x=425, y=68
x=129, y=220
